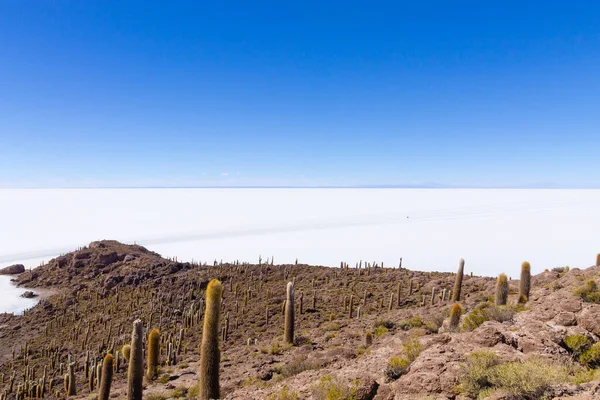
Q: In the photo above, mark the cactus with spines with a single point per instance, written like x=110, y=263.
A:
x=126, y=351
x=598, y=260
x=107, y=374
x=368, y=339
x=525, y=282
x=458, y=281
x=289, y=314
x=135, y=374
x=152, y=354
x=455, y=313
x=351, y=307
x=72, y=382
x=501, y=290
x=210, y=356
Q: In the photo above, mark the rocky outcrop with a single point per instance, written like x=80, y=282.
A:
x=13, y=269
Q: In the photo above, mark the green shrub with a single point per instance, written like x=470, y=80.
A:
x=284, y=394
x=577, y=344
x=483, y=374
x=486, y=311
x=414, y=322
x=380, y=330
x=179, y=392
x=589, y=292
x=397, y=366
x=330, y=388
x=531, y=379
x=296, y=366
x=476, y=372
x=193, y=391
x=385, y=323
x=591, y=356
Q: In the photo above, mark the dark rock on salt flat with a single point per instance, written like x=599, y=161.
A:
x=29, y=295
x=13, y=269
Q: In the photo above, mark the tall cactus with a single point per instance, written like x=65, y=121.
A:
x=72, y=388
x=598, y=260
x=289, y=314
x=107, y=374
x=525, y=282
x=501, y=290
x=153, y=352
x=135, y=373
x=210, y=355
x=458, y=281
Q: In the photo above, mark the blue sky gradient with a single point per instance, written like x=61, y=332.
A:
x=473, y=94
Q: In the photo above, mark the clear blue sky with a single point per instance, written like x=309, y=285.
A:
x=132, y=93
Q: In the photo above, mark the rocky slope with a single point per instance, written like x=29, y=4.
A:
x=104, y=287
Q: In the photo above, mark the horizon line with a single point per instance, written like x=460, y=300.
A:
x=382, y=186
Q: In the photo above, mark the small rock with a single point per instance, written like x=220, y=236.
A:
x=29, y=295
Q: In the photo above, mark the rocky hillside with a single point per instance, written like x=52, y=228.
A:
x=355, y=337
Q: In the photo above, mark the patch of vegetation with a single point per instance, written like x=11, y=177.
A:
x=561, y=270
x=487, y=311
x=385, y=323
x=193, y=392
x=589, y=292
x=398, y=365
x=591, y=357
x=296, y=366
x=164, y=378
x=380, y=330
x=332, y=326
x=484, y=373
x=408, y=324
x=577, y=345
x=155, y=396
x=276, y=348
x=331, y=388
x=284, y=394
x=179, y=392
x=583, y=350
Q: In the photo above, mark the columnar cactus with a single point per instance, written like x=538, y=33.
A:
x=455, y=314
x=126, y=350
x=135, y=373
x=152, y=354
x=501, y=290
x=458, y=281
x=598, y=260
x=525, y=282
x=72, y=382
x=107, y=374
x=210, y=355
x=368, y=339
x=289, y=314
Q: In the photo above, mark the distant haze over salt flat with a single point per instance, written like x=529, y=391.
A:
x=493, y=229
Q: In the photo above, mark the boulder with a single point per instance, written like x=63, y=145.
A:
x=565, y=318
x=29, y=295
x=13, y=269
x=590, y=319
